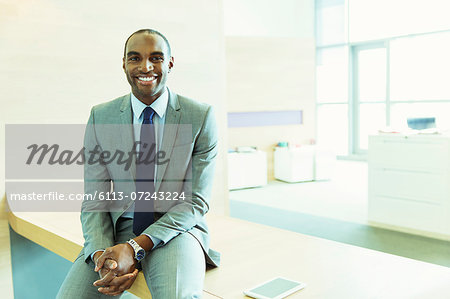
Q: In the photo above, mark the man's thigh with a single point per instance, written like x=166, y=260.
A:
x=78, y=282
x=176, y=270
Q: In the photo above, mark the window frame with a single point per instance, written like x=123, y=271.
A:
x=354, y=152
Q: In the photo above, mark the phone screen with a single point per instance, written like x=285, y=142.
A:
x=275, y=287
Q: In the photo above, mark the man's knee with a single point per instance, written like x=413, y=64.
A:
x=176, y=270
x=78, y=281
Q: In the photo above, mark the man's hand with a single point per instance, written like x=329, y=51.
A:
x=123, y=262
x=122, y=254
x=114, y=278
x=118, y=284
x=107, y=266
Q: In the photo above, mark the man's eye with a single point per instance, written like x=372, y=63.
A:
x=156, y=59
x=133, y=59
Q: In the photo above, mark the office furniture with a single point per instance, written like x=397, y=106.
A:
x=247, y=169
x=409, y=183
x=294, y=165
x=302, y=164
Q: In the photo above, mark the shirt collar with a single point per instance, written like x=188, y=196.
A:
x=159, y=105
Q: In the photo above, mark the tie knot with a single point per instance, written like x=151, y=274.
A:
x=148, y=114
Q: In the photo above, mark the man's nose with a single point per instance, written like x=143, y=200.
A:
x=146, y=66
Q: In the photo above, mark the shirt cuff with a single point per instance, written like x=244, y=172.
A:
x=155, y=241
x=92, y=255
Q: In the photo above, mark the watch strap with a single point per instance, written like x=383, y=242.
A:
x=139, y=252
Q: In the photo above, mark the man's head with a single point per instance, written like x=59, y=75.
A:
x=147, y=61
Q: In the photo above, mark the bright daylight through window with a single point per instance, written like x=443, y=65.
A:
x=379, y=63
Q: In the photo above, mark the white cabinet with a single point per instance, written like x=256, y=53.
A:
x=303, y=164
x=294, y=165
x=246, y=170
x=409, y=183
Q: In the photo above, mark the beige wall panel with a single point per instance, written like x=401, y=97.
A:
x=59, y=58
x=268, y=73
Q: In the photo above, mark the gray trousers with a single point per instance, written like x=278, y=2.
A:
x=175, y=270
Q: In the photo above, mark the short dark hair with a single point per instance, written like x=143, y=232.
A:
x=149, y=31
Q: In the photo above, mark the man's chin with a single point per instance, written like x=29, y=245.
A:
x=145, y=91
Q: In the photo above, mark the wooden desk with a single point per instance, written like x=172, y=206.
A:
x=253, y=253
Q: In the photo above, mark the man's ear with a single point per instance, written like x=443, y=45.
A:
x=171, y=62
x=123, y=63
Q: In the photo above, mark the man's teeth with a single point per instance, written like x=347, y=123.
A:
x=146, y=78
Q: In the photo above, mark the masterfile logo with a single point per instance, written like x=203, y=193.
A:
x=52, y=167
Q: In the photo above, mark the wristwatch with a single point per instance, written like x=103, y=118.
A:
x=139, y=252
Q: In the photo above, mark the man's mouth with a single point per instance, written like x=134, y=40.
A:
x=147, y=80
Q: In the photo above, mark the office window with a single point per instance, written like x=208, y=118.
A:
x=371, y=75
x=372, y=117
x=332, y=98
x=420, y=68
x=332, y=127
x=393, y=63
x=369, y=94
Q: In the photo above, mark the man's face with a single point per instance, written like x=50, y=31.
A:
x=146, y=64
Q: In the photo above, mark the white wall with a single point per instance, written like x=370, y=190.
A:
x=270, y=53
x=59, y=58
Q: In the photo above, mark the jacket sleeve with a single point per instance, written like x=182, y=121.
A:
x=95, y=218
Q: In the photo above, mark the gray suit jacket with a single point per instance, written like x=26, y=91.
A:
x=190, y=144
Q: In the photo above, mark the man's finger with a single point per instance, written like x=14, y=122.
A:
x=117, y=281
x=114, y=290
x=110, y=264
x=127, y=284
x=101, y=260
x=130, y=281
x=108, y=290
x=104, y=281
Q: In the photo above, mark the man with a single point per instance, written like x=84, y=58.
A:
x=166, y=237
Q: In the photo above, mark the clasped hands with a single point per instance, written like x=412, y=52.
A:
x=117, y=269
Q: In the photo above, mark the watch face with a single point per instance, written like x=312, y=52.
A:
x=140, y=254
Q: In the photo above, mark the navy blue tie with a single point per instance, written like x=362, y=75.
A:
x=145, y=174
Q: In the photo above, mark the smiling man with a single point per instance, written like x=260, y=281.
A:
x=159, y=227
x=147, y=71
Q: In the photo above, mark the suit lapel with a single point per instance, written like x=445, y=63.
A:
x=126, y=128
x=173, y=114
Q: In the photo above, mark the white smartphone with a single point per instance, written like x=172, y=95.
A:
x=276, y=288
